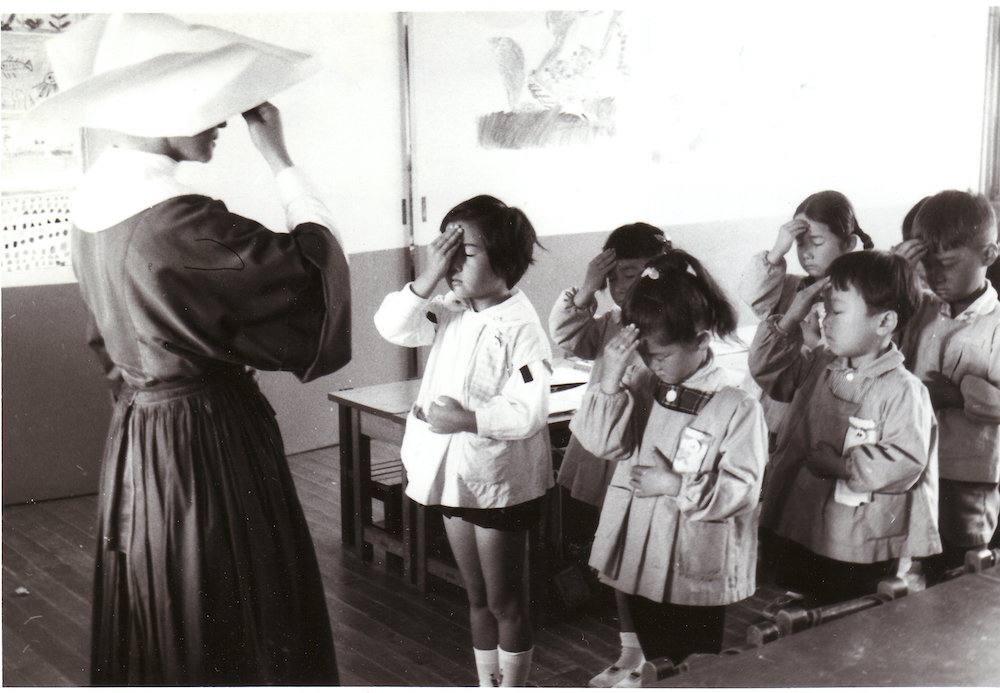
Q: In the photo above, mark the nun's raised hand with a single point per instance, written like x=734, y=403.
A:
x=268, y=136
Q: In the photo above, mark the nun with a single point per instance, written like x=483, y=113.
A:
x=206, y=572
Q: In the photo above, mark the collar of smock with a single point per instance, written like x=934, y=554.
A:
x=510, y=312
x=710, y=377
x=891, y=359
x=984, y=305
x=122, y=183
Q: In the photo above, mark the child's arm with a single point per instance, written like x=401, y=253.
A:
x=519, y=411
x=897, y=460
x=776, y=360
x=603, y=423
x=763, y=281
x=733, y=488
x=981, y=396
x=571, y=322
x=402, y=318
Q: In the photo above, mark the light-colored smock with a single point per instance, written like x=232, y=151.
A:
x=496, y=363
x=699, y=547
x=899, y=469
x=769, y=290
x=965, y=349
x=583, y=333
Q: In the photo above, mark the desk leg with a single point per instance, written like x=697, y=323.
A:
x=361, y=454
x=347, y=474
x=420, y=560
x=408, y=506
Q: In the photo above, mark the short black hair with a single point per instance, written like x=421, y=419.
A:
x=910, y=216
x=637, y=241
x=509, y=236
x=886, y=281
x=953, y=219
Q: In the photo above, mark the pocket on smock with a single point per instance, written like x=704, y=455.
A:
x=484, y=460
x=702, y=547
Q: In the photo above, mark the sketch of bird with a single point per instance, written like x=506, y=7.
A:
x=510, y=62
x=47, y=86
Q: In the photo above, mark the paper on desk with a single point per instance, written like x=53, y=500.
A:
x=569, y=381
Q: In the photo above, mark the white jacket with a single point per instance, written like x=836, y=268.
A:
x=494, y=363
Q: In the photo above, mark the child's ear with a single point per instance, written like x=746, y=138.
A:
x=990, y=253
x=851, y=243
x=888, y=322
x=704, y=337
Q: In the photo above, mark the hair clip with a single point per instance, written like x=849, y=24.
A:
x=651, y=272
x=663, y=238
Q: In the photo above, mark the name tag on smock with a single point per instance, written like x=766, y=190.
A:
x=859, y=432
x=691, y=451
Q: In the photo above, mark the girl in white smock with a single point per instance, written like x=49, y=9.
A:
x=476, y=444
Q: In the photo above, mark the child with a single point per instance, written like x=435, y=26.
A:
x=823, y=228
x=851, y=486
x=574, y=327
x=678, y=530
x=953, y=345
x=476, y=443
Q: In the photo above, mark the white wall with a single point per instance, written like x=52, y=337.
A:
x=732, y=111
x=342, y=125
x=763, y=104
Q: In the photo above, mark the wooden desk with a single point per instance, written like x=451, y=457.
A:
x=948, y=635
x=379, y=413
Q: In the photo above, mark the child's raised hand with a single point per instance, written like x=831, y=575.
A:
x=825, y=462
x=802, y=304
x=597, y=274
x=787, y=235
x=913, y=250
x=945, y=393
x=438, y=259
x=617, y=355
x=811, y=332
x=446, y=415
x=656, y=479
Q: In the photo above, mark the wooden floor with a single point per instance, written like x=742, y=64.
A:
x=387, y=633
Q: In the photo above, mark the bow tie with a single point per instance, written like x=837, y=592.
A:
x=685, y=399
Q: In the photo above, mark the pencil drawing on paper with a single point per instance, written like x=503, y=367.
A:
x=569, y=96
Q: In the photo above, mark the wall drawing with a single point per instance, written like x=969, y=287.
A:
x=569, y=95
x=37, y=172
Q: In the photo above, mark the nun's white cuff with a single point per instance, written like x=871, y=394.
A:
x=302, y=205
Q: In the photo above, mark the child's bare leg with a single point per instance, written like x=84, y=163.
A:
x=462, y=538
x=503, y=556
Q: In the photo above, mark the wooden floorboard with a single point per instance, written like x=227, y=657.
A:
x=387, y=633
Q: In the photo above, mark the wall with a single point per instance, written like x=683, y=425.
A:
x=754, y=111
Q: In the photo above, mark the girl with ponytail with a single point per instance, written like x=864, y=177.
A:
x=678, y=528
x=823, y=228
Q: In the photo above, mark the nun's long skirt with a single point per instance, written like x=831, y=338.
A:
x=205, y=573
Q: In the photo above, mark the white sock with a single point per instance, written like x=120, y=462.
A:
x=514, y=667
x=631, y=656
x=488, y=667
